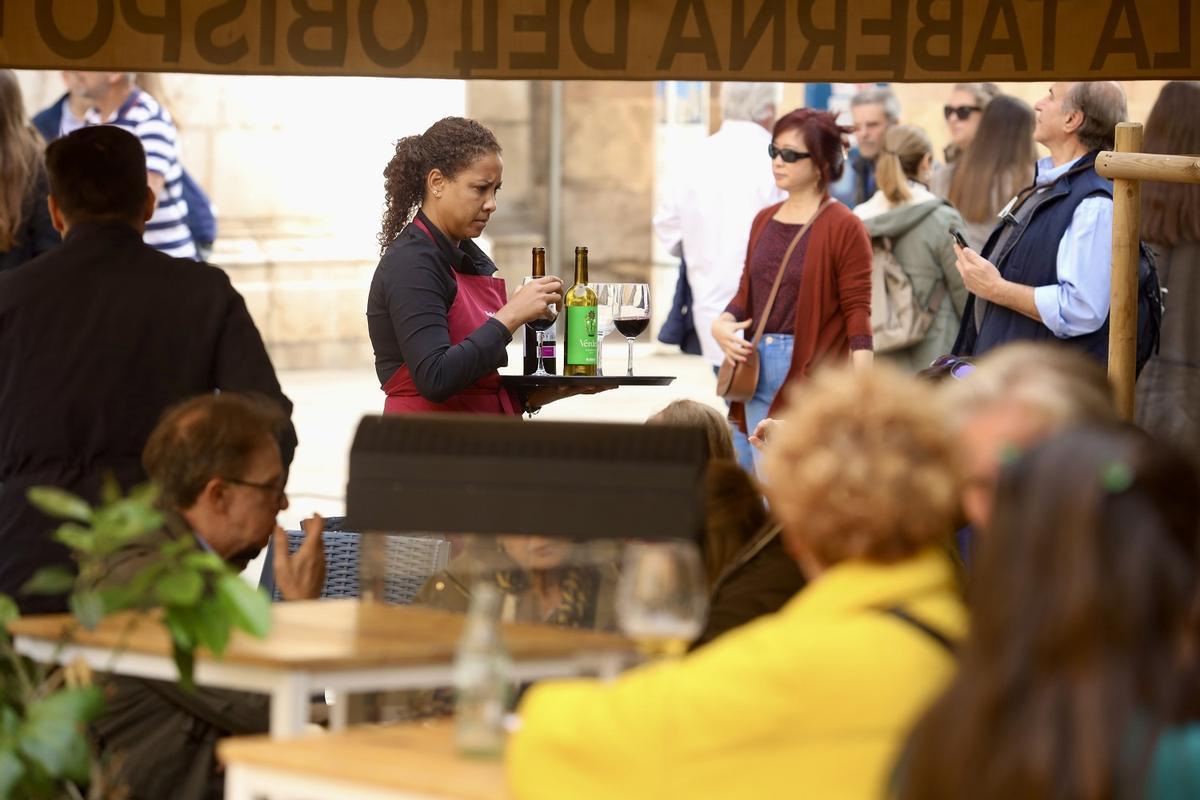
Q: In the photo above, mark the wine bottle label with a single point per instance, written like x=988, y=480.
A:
x=581, y=341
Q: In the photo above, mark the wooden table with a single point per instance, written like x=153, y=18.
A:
x=369, y=763
x=344, y=645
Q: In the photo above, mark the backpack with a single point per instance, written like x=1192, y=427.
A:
x=1150, y=307
x=897, y=318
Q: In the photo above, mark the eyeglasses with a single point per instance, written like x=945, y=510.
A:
x=962, y=112
x=273, y=487
x=788, y=156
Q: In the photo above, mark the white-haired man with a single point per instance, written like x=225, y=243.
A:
x=714, y=190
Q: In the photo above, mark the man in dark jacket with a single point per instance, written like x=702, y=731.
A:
x=1045, y=272
x=97, y=338
x=220, y=478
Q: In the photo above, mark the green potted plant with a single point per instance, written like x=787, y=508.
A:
x=44, y=749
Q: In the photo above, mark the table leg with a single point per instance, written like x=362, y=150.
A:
x=339, y=710
x=289, y=706
x=238, y=785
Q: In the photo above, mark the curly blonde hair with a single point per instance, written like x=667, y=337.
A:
x=863, y=467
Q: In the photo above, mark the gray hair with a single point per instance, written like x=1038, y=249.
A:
x=753, y=102
x=1102, y=104
x=1056, y=386
x=879, y=96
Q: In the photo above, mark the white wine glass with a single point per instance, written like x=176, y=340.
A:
x=632, y=314
x=662, y=596
x=606, y=299
x=540, y=326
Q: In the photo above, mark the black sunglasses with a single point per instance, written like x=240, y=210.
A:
x=788, y=156
x=962, y=112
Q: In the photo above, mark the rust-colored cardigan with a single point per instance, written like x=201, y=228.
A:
x=834, y=304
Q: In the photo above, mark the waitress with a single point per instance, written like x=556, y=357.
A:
x=438, y=316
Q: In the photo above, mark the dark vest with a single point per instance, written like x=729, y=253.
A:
x=1029, y=256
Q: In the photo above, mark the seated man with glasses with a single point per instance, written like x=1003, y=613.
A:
x=217, y=465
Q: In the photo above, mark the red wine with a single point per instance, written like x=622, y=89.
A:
x=632, y=328
x=549, y=350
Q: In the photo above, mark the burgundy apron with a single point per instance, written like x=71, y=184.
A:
x=478, y=297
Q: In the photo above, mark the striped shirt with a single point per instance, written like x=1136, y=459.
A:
x=142, y=116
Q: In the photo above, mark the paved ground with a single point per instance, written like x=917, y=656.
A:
x=329, y=404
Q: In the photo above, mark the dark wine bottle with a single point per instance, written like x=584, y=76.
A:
x=579, y=303
x=549, y=350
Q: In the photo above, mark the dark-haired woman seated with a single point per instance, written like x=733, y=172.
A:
x=438, y=316
x=1080, y=675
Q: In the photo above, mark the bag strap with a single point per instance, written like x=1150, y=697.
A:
x=935, y=300
x=923, y=627
x=762, y=322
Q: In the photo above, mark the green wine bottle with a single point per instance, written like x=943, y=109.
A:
x=580, y=305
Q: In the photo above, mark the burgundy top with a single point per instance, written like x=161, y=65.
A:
x=764, y=266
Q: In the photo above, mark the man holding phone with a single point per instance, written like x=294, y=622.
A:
x=1045, y=271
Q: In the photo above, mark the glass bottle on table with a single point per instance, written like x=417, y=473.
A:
x=580, y=331
x=482, y=672
x=632, y=314
x=541, y=356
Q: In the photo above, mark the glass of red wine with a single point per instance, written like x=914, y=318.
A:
x=540, y=326
x=632, y=314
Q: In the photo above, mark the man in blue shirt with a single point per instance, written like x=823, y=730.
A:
x=1045, y=271
x=875, y=111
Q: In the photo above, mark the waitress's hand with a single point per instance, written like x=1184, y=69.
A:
x=530, y=302
x=725, y=330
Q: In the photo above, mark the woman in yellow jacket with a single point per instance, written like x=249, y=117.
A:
x=814, y=700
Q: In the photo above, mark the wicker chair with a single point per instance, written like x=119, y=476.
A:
x=411, y=561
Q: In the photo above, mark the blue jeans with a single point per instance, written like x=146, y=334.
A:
x=774, y=361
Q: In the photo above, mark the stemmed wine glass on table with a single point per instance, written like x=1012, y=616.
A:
x=607, y=295
x=540, y=326
x=632, y=314
x=662, y=598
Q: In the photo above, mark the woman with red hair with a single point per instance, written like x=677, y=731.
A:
x=822, y=307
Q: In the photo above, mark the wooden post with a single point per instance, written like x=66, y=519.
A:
x=1127, y=230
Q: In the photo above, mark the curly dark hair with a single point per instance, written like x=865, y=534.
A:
x=450, y=145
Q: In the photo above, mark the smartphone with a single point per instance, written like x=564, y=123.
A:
x=958, y=237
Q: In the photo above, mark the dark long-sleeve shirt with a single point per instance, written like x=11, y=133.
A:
x=411, y=294
x=98, y=337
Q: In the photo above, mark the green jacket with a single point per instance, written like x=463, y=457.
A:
x=922, y=244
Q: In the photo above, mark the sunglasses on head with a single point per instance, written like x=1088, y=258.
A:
x=788, y=156
x=962, y=112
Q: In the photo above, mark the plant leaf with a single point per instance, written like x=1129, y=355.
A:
x=180, y=588
x=249, y=609
x=76, y=537
x=204, y=560
x=50, y=580
x=88, y=608
x=8, y=610
x=53, y=733
x=212, y=626
x=110, y=489
x=59, y=503
x=11, y=771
